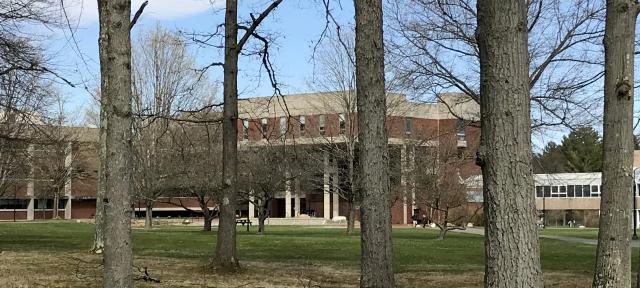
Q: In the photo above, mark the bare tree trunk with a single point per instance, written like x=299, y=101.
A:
x=443, y=232
x=148, y=215
x=376, y=244
x=225, y=255
x=98, y=240
x=208, y=218
x=115, y=70
x=511, y=245
x=351, y=219
x=352, y=196
x=261, y=218
x=613, y=262
x=56, y=201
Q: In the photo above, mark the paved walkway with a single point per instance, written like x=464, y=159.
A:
x=479, y=231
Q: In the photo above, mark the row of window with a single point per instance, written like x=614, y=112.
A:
x=573, y=191
x=11, y=204
x=264, y=126
x=568, y=191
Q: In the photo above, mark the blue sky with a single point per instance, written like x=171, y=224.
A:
x=296, y=25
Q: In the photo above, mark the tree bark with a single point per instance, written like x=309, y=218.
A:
x=115, y=71
x=148, y=215
x=351, y=219
x=511, y=243
x=225, y=255
x=376, y=244
x=613, y=262
x=207, y=222
x=98, y=240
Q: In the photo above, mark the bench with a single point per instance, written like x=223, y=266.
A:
x=244, y=221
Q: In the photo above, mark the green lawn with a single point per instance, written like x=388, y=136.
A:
x=414, y=249
x=587, y=233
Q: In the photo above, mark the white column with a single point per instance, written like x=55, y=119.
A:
x=296, y=202
x=68, y=161
x=31, y=185
x=336, y=195
x=287, y=197
x=325, y=180
x=412, y=167
x=403, y=182
x=251, y=208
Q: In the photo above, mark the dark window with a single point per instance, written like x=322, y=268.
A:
x=322, y=121
x=44, y=204
x=62, y=203
x=563, y=191
x=554, y=191
x=343, y=126
x=460, y=130
x=547, y=191
x=14, y=203
x=408, y=126
x=595, y=191
x=538, y=191
x=586, y=191
x=571, y=191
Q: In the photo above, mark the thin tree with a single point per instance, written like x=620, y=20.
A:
x=376, y=245
x=613, y=262
x=116, y=150
x=225, y=253
x=511, y=243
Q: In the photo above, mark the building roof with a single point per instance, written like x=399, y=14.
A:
x=449, y=106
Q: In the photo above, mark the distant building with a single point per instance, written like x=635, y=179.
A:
x=310, y=120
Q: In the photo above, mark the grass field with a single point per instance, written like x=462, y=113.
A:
x=53, y=254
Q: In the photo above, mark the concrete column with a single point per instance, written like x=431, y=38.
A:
x=325, y=179
x=68, y=161
x=31, y=184
x=296, y=202
x=251, y=208
x=403, y=182
x=336, y=195
x=287, y=197
x=412, y=167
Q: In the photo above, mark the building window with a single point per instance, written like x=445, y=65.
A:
x=539, y=191
x=302, y=123
x=408, y=126
x=44, y=204
x=595, y=191
x=547, y=191
x=322, y=123
x=343, y=127
x=245, y=129
x=460, y=130
x=14, y=204
x=571, y=191
x=264, y=126
x=283, y=126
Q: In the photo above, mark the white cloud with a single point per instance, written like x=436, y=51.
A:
x=85, y=12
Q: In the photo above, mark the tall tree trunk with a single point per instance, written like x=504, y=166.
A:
x=351, y=220
x=511, y=243
x=261, y=218
x=613, y=262
x=148, y=215
x=98, y=240
x=225, y=255
x=376, y=244
x=56, y=201
x=115, y=71
x=208, y=218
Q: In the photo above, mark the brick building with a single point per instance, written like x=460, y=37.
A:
x=308, y=120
